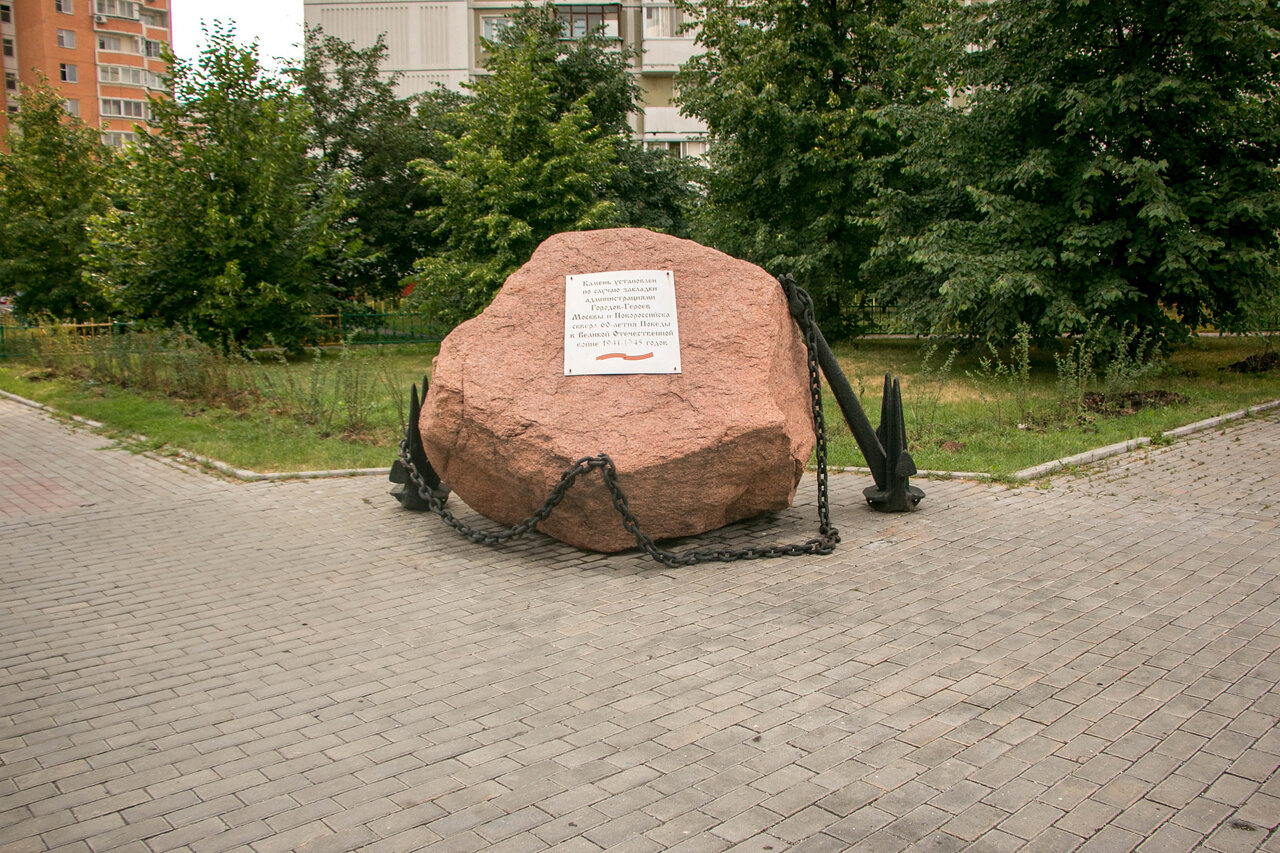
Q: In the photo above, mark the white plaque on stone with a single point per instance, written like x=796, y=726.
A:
x=621, y=322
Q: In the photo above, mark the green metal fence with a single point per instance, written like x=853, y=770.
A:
x=16, y=339
x=881, y=318
x=333, y=329
x=370, y=328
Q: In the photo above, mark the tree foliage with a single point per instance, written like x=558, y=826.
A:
x=544, y=147
x=224, y=224
x=1113, y=159
x=51, y=180
x=364, y=130
x=793, y=93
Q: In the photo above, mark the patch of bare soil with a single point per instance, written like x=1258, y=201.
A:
x=1259, y=362
x=1128, y=402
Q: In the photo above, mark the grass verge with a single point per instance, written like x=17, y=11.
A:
x=297, y=415
x=959, y=421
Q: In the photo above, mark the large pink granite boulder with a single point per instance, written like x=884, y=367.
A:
x=725, y=439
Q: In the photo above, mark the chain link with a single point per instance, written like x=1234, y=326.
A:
x=826, y=541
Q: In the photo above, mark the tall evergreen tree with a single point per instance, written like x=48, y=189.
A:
x=51, y=183
x=1115, y=159
x=793, y=93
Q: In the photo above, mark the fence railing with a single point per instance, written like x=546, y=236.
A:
x=387, y=328
x=17, y=339
x=881, y=318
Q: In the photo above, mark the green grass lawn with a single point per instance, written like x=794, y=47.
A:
x=959, y=423
x=345, y=409
x=261, y=436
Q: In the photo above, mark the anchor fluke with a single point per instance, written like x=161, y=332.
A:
x=407, y=492
x=893, y=491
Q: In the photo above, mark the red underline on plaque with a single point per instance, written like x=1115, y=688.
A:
x=624, y=356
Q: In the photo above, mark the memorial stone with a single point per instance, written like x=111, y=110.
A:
x=717, y=427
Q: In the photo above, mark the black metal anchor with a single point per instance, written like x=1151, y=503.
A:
x=884, y=448
x=406, y=492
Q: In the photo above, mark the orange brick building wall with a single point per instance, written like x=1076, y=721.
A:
x=102, y=55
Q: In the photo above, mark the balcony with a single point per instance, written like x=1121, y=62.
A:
x=667, y=123
x=666, y=54
x=126, y=9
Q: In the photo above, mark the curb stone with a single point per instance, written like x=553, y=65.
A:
x=1025, y=475
x=1142, y=441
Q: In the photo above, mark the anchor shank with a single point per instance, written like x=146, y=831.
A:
x=861, y=428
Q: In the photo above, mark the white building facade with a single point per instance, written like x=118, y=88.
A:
x=437, y=43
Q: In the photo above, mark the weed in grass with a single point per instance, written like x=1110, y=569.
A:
x=1134, y=359
x=337, y=394
x=197, y=371
x=58, y=349
x=355, y=386
x=1075, y=373
x=923, y=425
x=301, y=397
x=390, y=382
x=1130, y=359
x=172, y=363
x=995, y=379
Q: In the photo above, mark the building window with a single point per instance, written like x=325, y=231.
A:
x=63, y=6
x=6, y=13
x=66, y=38
x=11, y=81
x=120, y=74
x=72, y=106
x=68, y=73
x=155, y=17
x=118, y=8
x=129, y=75
x=577, y=21
x=124, y=108
x=114, y=44
x=153, y=49
x=119, y=138
x=8, y=46
x=491, y=26
x=662, y=22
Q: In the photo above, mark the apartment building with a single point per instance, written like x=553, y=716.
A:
x=104, y=56
x=437, y=42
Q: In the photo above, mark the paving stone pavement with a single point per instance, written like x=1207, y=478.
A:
x=193, y=664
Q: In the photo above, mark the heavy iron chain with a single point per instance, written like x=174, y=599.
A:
x=826, y=541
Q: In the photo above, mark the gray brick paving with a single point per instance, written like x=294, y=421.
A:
x=188, y=663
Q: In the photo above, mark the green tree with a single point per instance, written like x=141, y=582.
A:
x=51, y=181
x=545, y=147
x=793, y=93
x=652, y=188
x=224, y=224
x=364, y=130
x=1113, y=159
